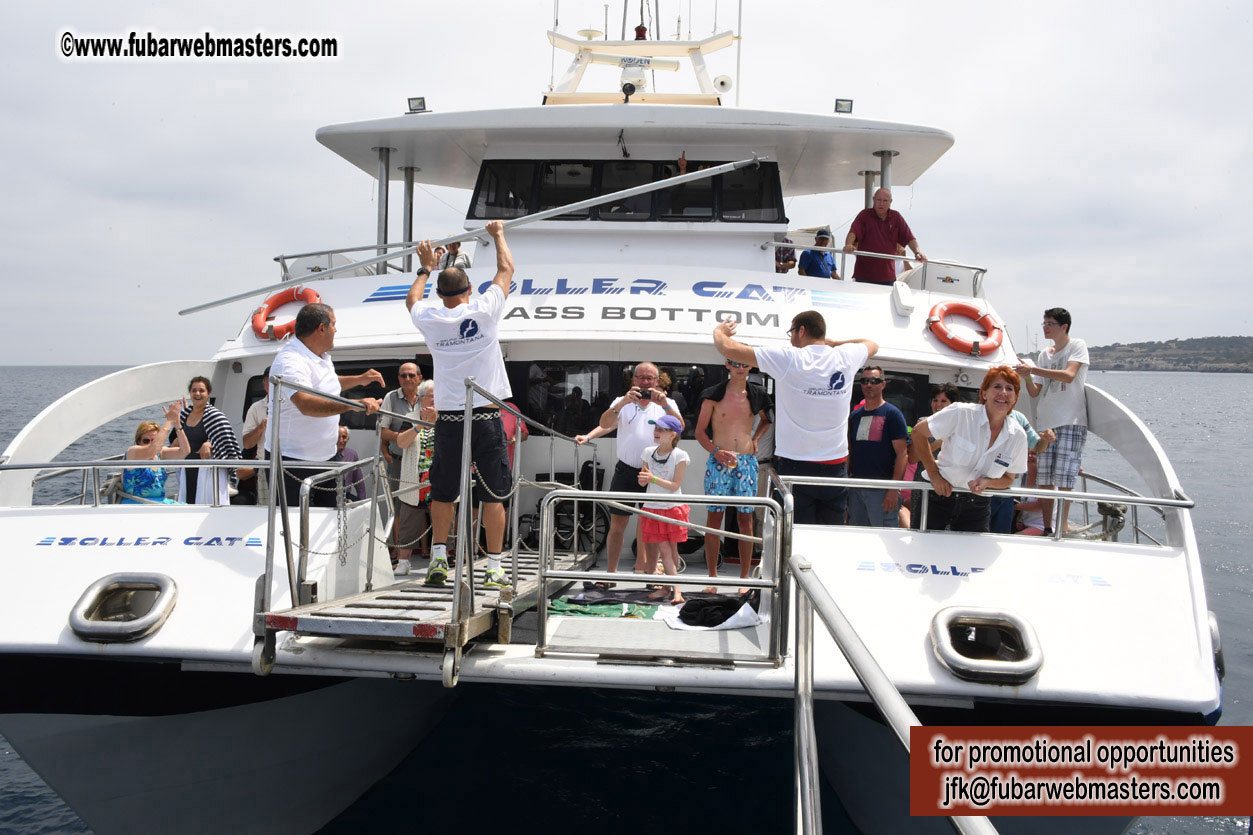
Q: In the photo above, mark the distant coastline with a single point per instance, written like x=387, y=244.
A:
x=1223, y=354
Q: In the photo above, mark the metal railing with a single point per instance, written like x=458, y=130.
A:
x=813, y=596
x=979, y=271
x=464, y=539
x=91, y=471
x=1136, y=530
x=1064, y=498
x=771, y=571
x=277, y=510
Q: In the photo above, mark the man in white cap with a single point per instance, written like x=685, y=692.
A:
x=815, y=263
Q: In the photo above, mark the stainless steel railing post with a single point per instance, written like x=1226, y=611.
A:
x=374, y=502
x=514, y=503
x=465, y=549
x=808, y=796
x=547, y=510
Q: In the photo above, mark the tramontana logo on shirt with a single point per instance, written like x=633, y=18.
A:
x=469, y=332
x=835, y=385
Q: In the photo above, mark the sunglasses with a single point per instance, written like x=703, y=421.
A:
x=735, y=364
x=145, y=441
x=872, y=381
x=406, y=376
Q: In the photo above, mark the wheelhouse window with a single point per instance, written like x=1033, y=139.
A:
x=505, y=189
x=748, y=194
x=562, y=183
x=620, y=175
x=691, y=201
x=513, y=188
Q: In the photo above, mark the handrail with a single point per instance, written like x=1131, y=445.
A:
x=896, y=711
x=647, y=188
x=839, y=250
x=461, y=571
x=772, y=571
x=1111, y=483
x=1031, y=492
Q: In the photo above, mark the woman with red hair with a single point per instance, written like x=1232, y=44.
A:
x=983, y=450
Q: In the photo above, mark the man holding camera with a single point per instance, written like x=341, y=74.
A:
x=632, y=415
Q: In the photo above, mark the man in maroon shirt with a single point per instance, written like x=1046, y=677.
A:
x=879, y=229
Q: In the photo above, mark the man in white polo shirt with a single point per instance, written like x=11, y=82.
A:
x=308, y=424
x=813, y=386
x=462, y=332
x=631, y=414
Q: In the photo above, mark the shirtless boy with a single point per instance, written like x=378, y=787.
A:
x=727, y=412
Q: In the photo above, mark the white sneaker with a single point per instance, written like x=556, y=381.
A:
x=402, y=567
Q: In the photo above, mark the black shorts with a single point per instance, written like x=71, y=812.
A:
x=626, y=479
x=487, y=453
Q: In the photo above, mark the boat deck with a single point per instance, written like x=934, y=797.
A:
x=411, y=611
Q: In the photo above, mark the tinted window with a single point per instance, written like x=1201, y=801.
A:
x=619, y=175
x=748, y=194
x=568, y=396
x=504, y=189
x=565, y=182
x=692, y=201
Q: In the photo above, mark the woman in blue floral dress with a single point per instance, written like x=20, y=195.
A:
x=148, y=483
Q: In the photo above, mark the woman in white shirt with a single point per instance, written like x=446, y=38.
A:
x=983, y=450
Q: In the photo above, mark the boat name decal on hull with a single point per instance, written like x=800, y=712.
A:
x=640, y=287
x=919, y=569
x=148, y=541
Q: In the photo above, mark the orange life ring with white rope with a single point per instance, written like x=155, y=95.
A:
x=263, y=331
x=985, y=320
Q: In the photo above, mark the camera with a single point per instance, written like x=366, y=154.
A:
x=646, y=394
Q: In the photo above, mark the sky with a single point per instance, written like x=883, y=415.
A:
x=1102, y=159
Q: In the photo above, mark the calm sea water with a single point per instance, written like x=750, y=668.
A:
x=589, y=758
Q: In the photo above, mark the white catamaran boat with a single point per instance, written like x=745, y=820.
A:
x=181, y=658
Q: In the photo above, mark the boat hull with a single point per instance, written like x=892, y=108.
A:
x=280, y=755
x=869, y=769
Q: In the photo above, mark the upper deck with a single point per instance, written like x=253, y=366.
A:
x=816, y=153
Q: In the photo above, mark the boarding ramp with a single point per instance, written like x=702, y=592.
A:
x=408, y=614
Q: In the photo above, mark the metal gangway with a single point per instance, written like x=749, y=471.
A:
x=443, y=617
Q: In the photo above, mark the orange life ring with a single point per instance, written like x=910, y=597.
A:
x=975, y=348
x=263, y=331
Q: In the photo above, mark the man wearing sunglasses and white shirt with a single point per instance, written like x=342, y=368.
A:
x=727, y=412
x=630, y=415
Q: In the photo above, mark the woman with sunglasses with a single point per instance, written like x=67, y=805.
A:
x=147, y=485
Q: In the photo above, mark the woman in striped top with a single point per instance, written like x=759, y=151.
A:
x=210, y=435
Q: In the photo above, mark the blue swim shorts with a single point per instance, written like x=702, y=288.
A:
x=740, y=480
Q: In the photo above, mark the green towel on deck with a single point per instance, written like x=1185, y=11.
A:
x=563, y=606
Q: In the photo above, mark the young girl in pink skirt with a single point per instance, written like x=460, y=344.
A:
x=662, y=471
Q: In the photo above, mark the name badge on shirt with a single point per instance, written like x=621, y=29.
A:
x=1000, y=460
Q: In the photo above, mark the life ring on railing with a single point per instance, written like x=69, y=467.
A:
x=263, y=331
x=985, y=320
